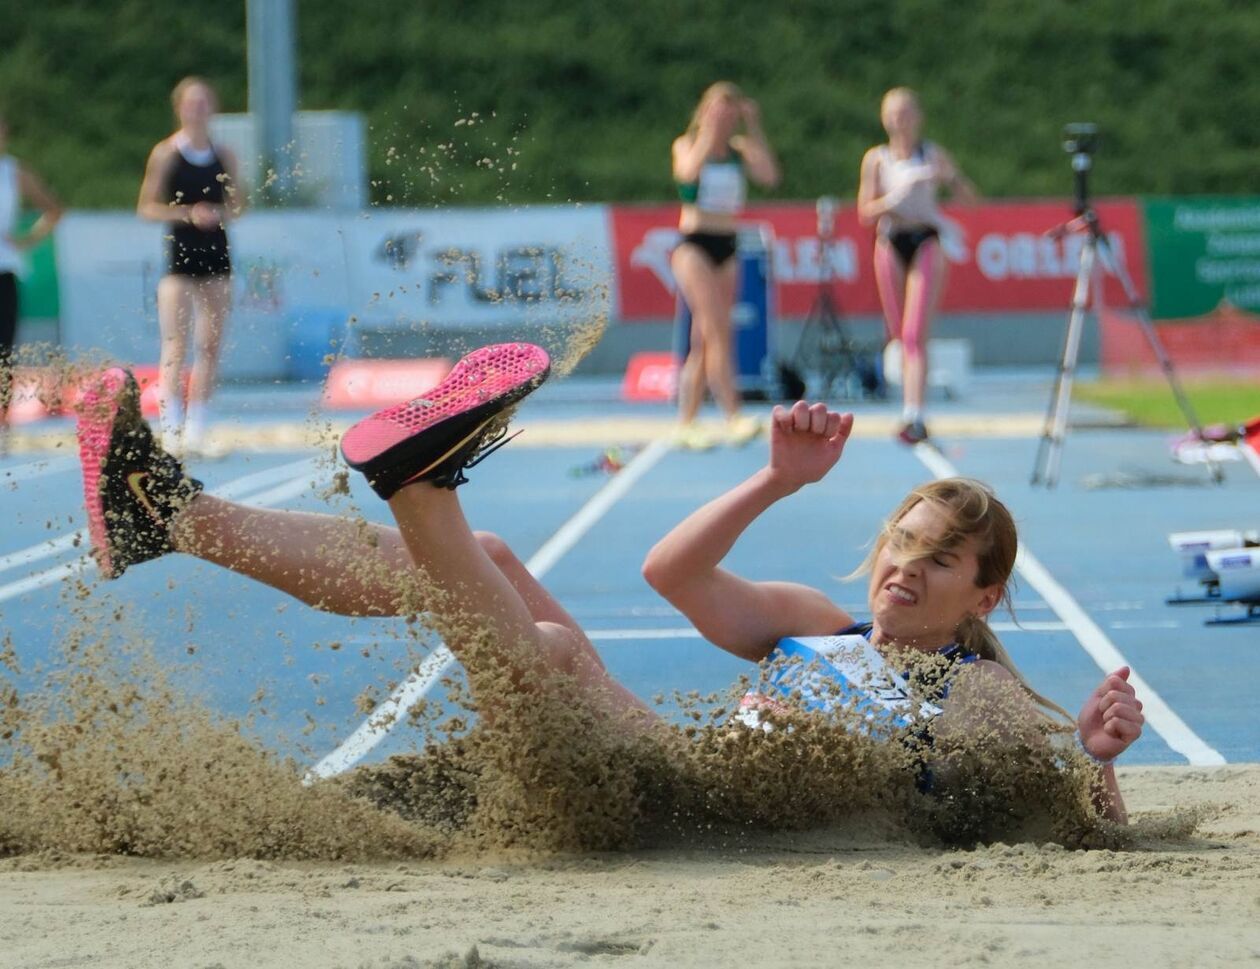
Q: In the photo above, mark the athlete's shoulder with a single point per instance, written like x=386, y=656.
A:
x=874, y=155
x=226, y=155
x=994, y=670
x=164, y=150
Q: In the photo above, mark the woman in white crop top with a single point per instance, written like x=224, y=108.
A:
x=898, y=192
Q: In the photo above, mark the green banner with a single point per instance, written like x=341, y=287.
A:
x=1204, y=251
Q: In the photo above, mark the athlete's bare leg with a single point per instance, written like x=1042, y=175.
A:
x=345, y=566
x=175, y=312
x=478, y=602
x=709, y=292
x=924, y=283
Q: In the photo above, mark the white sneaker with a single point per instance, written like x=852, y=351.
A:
x=741, y=429
x=694, y=437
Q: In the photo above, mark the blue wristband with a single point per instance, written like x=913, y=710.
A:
x=1080, y=745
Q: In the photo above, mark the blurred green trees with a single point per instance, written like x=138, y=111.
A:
x=476, y=101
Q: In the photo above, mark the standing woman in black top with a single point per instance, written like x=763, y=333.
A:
x=191, y=184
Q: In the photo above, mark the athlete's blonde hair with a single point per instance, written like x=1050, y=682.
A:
x=970, y=510
x=725, y=90
x=910, y=94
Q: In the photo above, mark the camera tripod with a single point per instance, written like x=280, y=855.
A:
x=1081, y=142
x=824, y=346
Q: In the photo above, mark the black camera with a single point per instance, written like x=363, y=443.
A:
x=1081, y=138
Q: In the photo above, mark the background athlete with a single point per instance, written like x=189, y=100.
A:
x=900, y=182
x=191, y=185
x=938, y=569
x=712, y=163
x=18, y=185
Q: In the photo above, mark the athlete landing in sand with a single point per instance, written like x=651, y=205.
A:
x=938, y=569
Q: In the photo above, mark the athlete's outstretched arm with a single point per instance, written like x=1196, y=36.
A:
x=744, y=617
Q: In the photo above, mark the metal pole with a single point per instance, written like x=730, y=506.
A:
x=1050, y=448
x=272, y=93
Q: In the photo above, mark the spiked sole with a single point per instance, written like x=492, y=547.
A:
x=409, y=441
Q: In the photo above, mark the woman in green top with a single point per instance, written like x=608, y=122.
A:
x=712, y=160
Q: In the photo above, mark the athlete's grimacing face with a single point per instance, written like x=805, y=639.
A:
x=921, y=602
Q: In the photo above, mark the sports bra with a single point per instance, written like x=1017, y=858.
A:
x=720, y=188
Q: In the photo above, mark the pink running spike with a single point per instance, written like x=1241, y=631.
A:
x=481, y=376
x=97, y=411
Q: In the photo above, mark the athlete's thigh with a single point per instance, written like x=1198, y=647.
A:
x=925, y=280
x=569, y=651
x=699, y=281
x=213, y=297
x=890, y=281
x=175, y=304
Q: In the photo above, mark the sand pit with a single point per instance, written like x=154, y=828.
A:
x=842, y=896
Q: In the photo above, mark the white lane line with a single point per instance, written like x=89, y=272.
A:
x=41, y=550
x=41, y=579
x=1174, y=731
x=243, y=485
x=37, y=469
x=291, y=488
x=411, y=690
x=688, y=632
x=266, y=478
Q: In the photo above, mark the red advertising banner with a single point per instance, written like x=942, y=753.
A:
x=1001, y=257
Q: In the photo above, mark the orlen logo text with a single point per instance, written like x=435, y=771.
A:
x=1024, y=255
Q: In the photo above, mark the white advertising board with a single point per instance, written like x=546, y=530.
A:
x=384, y=270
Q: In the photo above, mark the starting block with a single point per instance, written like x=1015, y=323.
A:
x=1226, y=563
x=1221, y=442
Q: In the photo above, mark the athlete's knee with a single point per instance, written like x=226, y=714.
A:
x=569, y=651
x=498, y=550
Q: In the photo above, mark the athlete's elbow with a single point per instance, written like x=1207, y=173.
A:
x=656, y=571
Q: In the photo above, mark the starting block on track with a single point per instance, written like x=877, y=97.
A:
x=1221, y=442
x=1226, y=563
